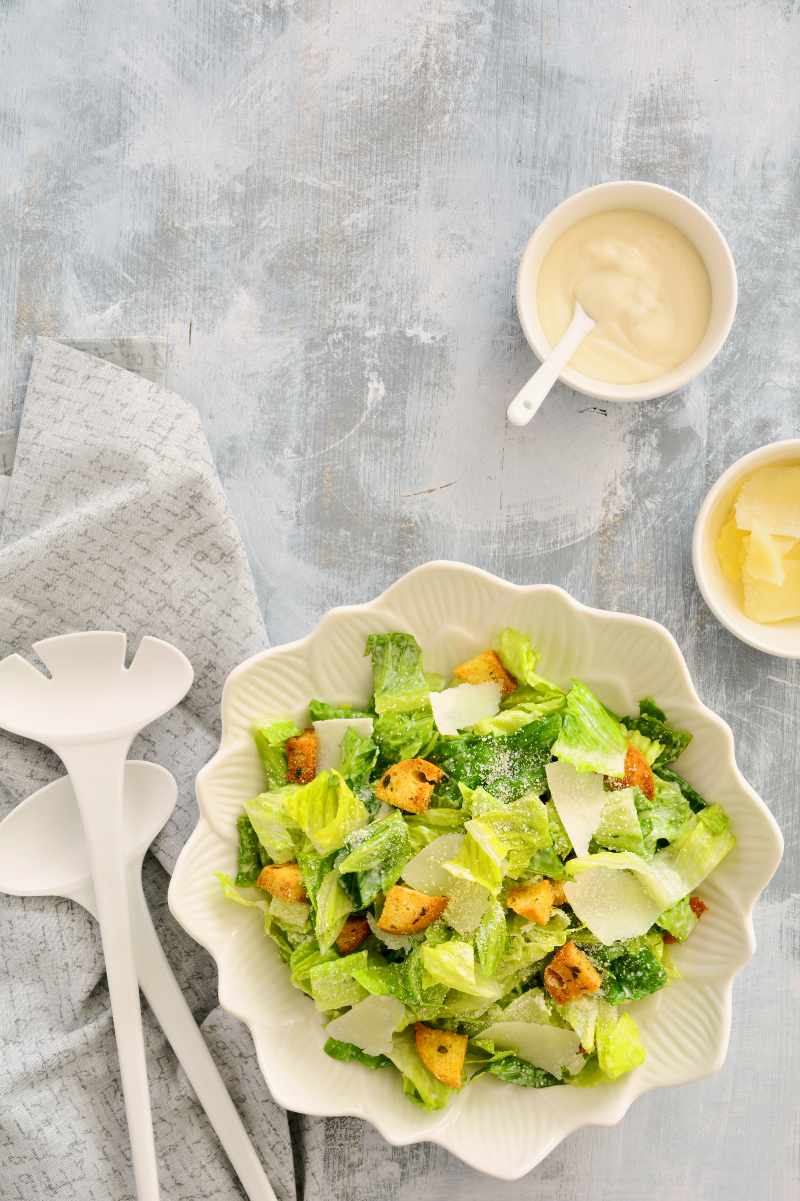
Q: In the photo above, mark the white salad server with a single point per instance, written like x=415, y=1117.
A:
x=530, y=397
x=150, y=794
x=88, y=710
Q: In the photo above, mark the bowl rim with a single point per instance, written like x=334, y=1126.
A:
x=614, y=1106
x=761, y=456
x=669, y=382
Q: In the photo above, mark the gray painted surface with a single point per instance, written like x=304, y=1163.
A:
x=322, y=206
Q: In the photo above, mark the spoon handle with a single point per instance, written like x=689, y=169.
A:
x=97, y=774
x=175, y=1018
x=531, y=395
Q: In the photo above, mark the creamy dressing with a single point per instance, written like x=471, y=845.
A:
x=642, y=281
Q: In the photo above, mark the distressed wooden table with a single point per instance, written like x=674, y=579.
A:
x=322, y=206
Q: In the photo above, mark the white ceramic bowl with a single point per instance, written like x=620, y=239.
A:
x=456, y=611
x=721, y=596
x=671, y=206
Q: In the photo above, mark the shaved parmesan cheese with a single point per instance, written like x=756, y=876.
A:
x=579, y=798
x=773, y=602
x=770, y=500
x=426, y=871
x=612, y=903
x=330, y=734
x=731, y=548
x=369, y=1025
x=467, y=904
x=456, y=708
x=764, y=556
x=549, y=1047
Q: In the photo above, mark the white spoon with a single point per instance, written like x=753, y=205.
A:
x=531, y=395
x=43, y=853
x=88, y=711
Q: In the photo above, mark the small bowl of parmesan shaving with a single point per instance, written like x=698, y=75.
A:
x=746, y=549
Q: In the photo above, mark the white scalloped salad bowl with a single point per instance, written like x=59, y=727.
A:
x=456, y=611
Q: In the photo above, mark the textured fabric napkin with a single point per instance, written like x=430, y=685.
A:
x=114, y=517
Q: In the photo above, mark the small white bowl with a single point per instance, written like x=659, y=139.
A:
x=720, y=594
x=691, y=220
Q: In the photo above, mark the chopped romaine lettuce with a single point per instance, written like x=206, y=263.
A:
x=507, y=766
x=399, y=680
x=404, y=735
x=619, y=1047
x=482, y=857
x=275, y=829
x=303, y=958
x=490, y=938
x=591, y=738
x=332, y=910
x=453, y=965
x=332, y=984
x=326, y=810
x=629, y=973
x=270, y=741
x=248, y=864
x=679, y=920
x=520, y=659
x=620, y=828
x=322, y=711
x=349, y=1053
x=652, y=726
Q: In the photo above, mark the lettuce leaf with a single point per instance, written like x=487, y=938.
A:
x=482, y=858
x=375, y=856
x=405, y=735
x=591, y=738
x=275, y=829
x=407, y=981
x=322, y=711
x=399, y=680
x=248, y=862
x=507, y=766
x=558, y=835
x=326, y=810
x=453, y=965
x=662, y=818
x=250, y=898
x=619, y=1047
x=348, y=1053
x=652, y=725
x=620, y=828
x=270, y=741
x=679, y=920
x=332, y=984
x=629, y=972
x=520, y=659
x=313, y=868
x=490, y=938
x=358, y=758
x=693, y=797
x=332, y=910
x=303, y=958
x=521, y=826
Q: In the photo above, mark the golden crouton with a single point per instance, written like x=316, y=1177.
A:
x=353, y=933
x=407, y=911
x=533, y=901
x=282, y=880
x=638, y=774
x=486, y=669
x=409, y=785
x=301, y=757
x=570, y=974
x=442, y=1052
x=559, y=896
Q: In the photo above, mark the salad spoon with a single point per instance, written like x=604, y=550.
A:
x=150, y=795
x=530, y=397
x=88, y=711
